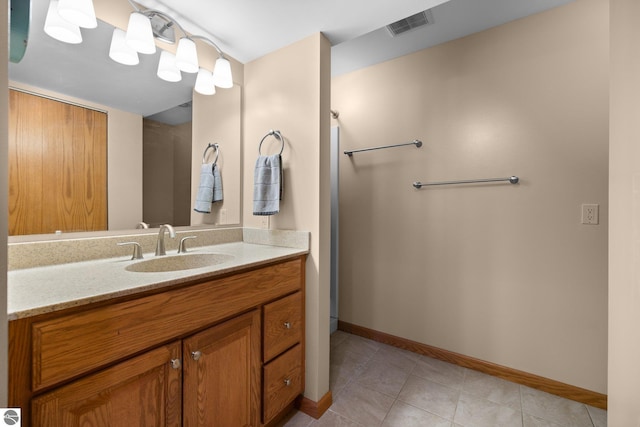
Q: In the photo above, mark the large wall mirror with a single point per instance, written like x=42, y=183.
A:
x=156, y=131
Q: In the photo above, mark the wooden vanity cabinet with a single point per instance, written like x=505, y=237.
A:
x=227, y=352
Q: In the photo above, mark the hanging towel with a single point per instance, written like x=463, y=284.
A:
x=217, y=184
x=267, y=185
x=204, y=198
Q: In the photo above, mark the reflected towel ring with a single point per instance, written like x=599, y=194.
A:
x=277, y=135
x=204, y=155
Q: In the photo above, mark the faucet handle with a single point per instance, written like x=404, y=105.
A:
x=137, y=249
x=182, y=247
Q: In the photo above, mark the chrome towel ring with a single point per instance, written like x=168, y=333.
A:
x=204, y=155
x=277, y=135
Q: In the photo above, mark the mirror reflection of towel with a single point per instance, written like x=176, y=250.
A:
x=210, y=189
x=267, y=185
x=217, y=184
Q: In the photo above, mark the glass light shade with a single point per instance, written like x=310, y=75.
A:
x=120, y=51
x=187, y=56
x=167, y=69
x=222, y=73
x=204, y=82
x=78, y=12
x=140, y=34
x=61, y=29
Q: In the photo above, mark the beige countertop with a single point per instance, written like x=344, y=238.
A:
x=40, y=290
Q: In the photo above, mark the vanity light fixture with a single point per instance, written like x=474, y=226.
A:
x=65, y=17
x=222, y=76
x=79, y=12
x=161, y=26
x=59, y=28
x=139, y=34
x=222, y=73
x=187, y=56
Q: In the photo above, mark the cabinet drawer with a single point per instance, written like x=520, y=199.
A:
x=282, y=325
x=282, y=382
x=71, y=345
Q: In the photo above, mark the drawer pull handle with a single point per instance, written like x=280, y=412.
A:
x=195, y=355
x=287, y=382
x=287, y=325
x=175, y=363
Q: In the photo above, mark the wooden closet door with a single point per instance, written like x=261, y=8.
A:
x=57, y=166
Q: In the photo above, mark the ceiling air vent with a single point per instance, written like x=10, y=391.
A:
x=420, y=19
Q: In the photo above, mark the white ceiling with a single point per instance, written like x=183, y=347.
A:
x=249, y=29
x=356, y=29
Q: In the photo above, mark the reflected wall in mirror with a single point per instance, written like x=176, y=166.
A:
x=166, y=167
x=84, y=75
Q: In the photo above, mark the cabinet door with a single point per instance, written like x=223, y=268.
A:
x=222, y=374
x=143, y=391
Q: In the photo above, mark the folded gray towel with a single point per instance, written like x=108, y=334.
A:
x=267, y=185
x=217, y=184
x=206, y=192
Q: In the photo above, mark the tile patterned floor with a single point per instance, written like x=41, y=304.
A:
x=374, y=384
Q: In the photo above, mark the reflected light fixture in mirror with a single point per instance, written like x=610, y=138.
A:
x=59, y=28
x=120, y=51
x=204, y=82
x=144, y=26
x=167, y=68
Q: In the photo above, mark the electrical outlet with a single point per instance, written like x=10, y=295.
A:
x=590, y=214
x=223, y=216
x=264, y=221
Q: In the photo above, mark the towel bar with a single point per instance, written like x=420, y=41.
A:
x=415, y=142
x=511, y=180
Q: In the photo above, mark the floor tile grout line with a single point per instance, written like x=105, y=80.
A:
x=455, y=411
x=521, y=403
x=593, y=423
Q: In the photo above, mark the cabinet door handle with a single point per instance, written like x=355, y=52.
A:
x=175, y=363
x=287, y=325
x=195, y=355
x=287, y=382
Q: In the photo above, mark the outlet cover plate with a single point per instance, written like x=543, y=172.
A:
x=590, y=214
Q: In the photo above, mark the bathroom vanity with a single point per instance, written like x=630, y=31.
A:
x=219, y=347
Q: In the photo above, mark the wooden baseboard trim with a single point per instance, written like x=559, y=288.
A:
x=315, y=409
x=577, y=394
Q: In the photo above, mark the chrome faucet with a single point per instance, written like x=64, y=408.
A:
x=160, y=245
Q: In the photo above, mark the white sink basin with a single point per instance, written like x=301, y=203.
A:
x=178, y=262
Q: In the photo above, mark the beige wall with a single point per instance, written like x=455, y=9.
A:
x=4, y=208
x=624, y=225
x=288, y=90
x=124, y=158
x=502, y=273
